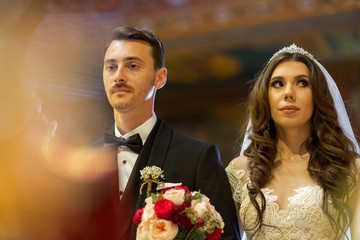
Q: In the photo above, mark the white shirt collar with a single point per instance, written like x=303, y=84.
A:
x=143, y=130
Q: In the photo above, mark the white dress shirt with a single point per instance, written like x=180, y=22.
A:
x=126, y=158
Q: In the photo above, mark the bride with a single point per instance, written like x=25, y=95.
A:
x=296, y=177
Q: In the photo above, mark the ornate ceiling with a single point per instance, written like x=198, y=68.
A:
x=206, y=41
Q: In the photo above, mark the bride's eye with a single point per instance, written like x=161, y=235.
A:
x=277, y=84
x=303, y=82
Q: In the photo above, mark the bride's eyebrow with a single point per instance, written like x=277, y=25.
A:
x=302, y=76
x=276, y=78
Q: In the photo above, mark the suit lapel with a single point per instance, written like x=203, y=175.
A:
x=161, y=145
x=157, y=154
x=154, y=153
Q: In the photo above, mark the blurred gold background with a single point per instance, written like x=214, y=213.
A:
x=213, y=49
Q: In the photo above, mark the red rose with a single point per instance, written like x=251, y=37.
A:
x=174, y=216
x=138, y=215
x=200, y=223
x=182, y=187
x=181, y=207
x=185, y=222
x=215, y=235
x=163, y=208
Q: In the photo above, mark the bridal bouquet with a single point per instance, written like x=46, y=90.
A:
x=177, y=213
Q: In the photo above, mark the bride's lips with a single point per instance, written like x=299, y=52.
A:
x=289, y=109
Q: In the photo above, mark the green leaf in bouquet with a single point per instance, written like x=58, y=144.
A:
x=156, y=197
x=196, y=234
x=196, y=196
x=181, y=233
x=199, y=235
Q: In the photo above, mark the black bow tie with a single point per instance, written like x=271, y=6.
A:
x=134, y=142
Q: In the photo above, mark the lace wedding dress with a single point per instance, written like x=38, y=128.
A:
x=302, y=219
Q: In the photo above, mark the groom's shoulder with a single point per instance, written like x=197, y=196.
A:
x=190, y=142
x=186, y=136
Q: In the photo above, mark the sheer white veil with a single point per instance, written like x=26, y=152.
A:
x=343, y=117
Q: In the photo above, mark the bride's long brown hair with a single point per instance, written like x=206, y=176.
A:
x=332, y=155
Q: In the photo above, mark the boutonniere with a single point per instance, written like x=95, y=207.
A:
x=151, y=175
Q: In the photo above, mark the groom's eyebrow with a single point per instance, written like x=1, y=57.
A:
x=125, y=59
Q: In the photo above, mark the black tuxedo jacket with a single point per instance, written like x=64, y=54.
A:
x=194, y=163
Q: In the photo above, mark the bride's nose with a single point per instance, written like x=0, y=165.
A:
x=289, y=94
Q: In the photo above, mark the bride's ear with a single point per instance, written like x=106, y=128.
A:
x=161, y=76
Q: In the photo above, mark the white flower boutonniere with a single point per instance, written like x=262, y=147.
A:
x=151, y=175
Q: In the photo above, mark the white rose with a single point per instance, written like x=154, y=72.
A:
x=199, y=207
x=177, y=196
x=149, y=201
x=142, y=231
x=149, y=213
x=161, y=229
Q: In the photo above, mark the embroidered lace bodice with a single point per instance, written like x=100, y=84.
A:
x=302, y=219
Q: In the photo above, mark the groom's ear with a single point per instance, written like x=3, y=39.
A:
x=160, y=79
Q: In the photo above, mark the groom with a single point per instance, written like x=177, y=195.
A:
x=133, y=72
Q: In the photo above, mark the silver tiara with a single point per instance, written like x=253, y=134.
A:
x=292, y=49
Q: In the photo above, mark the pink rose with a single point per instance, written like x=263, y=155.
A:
x=138, y=215
x=161, y=229
x=177, y=196
x=163, y=208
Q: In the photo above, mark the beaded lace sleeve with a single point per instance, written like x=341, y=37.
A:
x=235, y=178
x=357, y=161
x=357, y=172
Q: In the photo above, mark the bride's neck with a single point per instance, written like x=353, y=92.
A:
x=291, y=142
